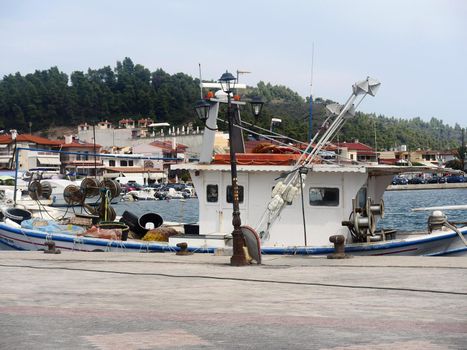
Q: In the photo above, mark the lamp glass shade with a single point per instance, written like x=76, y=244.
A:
x=202, y=110
x=227, y=81
x=256, y=105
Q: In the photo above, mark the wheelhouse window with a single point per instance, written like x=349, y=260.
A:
x=212, y=193
x=230, y=194
x=123, y=163
x=324, y=197
x=111, y=162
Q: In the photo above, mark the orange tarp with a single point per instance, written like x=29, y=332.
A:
x=258, y=159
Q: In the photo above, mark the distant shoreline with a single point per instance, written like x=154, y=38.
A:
x=426, y=186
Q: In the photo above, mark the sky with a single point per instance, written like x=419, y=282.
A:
x=417, y=49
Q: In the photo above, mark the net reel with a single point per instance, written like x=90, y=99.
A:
x=112, y=186
x=89, y=187
x=73, y=195
x=109, y=189
x=46, y=189
x=38, y=190
x=35, y=190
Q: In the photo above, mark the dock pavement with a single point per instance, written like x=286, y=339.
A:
x=112, y=301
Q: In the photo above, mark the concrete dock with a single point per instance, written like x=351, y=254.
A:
x=113, y=301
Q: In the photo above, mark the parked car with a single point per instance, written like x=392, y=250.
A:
x=433, y=180
x=442, y=180
x=155, y=185
x=399, y=180
x=455, y=179
x=133, y=186
x=417, y=180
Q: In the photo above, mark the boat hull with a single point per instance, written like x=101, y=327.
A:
x=437, y=244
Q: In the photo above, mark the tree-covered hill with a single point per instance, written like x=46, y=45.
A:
x=50, y=98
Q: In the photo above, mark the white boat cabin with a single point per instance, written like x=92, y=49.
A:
x=327, y=199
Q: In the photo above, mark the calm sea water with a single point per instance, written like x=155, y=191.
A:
x=170, y=210
x=398, y=206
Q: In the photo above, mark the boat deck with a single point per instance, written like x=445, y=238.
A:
x=160, y=301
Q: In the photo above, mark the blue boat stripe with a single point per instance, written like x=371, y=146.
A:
x=448, y=252
x=11, y=246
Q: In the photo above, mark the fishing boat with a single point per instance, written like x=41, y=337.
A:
x=296, y=201
x=292, y=203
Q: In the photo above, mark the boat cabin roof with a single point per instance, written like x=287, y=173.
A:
x=374, y=170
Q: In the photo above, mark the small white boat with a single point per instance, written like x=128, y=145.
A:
x=174, y=194
x=143, y=194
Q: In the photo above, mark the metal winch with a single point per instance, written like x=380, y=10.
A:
x=362, y=221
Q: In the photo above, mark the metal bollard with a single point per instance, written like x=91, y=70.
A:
x=51, y=248
x=339, y=247
x=183, y=249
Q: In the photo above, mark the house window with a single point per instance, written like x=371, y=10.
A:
x=123, y=163
x=351, y=156
x=230, y=194
x=111, y=162
x=324, y=197
x=212, y=193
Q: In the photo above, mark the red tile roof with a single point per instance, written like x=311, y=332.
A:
x=167, y=145
x=354, y=146
x=387, y=161
x=6, y=139
x=142, y=120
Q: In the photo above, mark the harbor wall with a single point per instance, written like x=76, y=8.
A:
x=426, y=186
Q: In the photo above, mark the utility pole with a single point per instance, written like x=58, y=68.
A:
x=462, y=150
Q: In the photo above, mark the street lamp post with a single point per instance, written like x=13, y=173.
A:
x=227, y=82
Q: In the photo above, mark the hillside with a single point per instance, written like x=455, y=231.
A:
x=50, y=98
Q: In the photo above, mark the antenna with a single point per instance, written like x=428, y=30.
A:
x=376, y=144
x=201, y=82
x=312, y=64
x=242, y=72
x=310, y=126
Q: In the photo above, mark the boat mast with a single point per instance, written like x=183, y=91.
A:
x=285, y=190
x=200, y=82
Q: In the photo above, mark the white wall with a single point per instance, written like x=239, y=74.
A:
x=122, y=138
x=321, y=222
